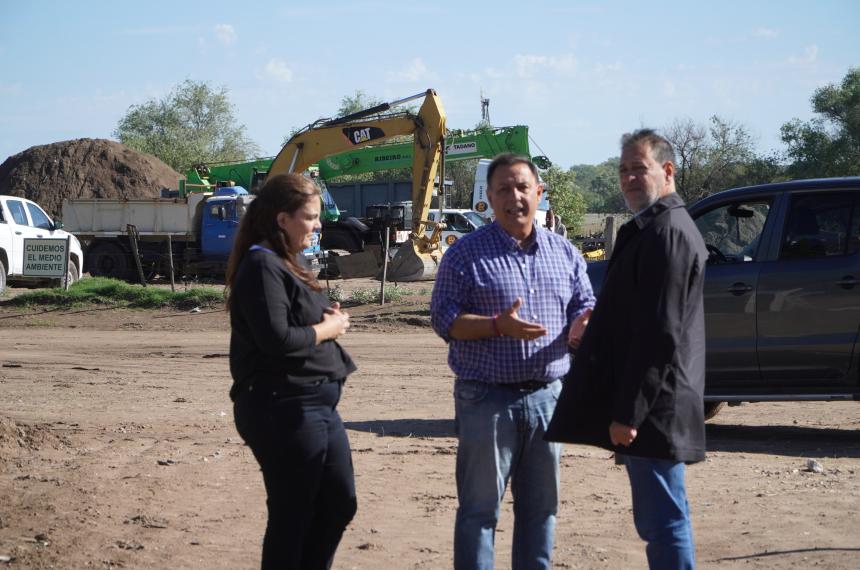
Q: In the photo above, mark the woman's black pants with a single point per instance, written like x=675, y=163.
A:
x=299, y=440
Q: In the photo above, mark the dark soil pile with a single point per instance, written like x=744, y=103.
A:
x=83, y=168
x=14, y=435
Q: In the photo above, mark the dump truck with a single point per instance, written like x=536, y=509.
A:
x=197, y=228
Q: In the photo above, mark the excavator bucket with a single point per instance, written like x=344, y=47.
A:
x=411, y=265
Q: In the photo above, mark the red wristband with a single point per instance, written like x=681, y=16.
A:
x=496, y=325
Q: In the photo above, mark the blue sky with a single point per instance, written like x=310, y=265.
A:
x=579, y=74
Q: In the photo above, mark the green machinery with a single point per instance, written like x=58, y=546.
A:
x=459, y=145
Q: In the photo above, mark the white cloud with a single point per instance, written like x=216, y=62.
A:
x=11, y=89
x=528, y=65
x=608, y=68
x=158, y=31
x=225, y=34
x=278, y=70
x=536, y=89
x=810, y=54
x=765, y=33
x=493, y=73
x=415, y=71
x=669, y=88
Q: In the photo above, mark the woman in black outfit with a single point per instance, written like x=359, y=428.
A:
x=288, y=373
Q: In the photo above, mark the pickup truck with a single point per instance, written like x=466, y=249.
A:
x=782, y=291
x=22, y=219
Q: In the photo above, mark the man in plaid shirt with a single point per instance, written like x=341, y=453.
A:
x=509, y=299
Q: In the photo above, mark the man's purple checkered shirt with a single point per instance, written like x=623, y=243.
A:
x=483, y=273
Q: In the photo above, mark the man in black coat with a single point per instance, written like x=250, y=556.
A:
x=638, y=378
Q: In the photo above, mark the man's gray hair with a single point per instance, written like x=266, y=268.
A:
x=661, y=148
x=509, y=159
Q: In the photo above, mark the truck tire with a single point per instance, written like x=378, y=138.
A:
x=2, y=276
x=108, y=260
x=712, y=409
x=74, y=275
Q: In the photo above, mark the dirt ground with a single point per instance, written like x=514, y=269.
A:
x=117, y=450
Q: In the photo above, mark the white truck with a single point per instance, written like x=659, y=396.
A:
x=22, y=219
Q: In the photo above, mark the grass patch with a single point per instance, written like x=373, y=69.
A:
x=112, y=292
x=337, y=293
x=46, y=323
x=393, y=294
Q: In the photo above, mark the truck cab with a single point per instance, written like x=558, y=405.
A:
x=220, y=217
x=220, y=220
x=22, y=219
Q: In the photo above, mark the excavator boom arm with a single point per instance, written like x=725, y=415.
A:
x=427, y=128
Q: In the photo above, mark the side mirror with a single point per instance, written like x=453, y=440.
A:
x=58, y=225
x=741, y=212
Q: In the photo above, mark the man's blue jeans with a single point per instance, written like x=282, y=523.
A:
x=500, y=432
x=661, y=512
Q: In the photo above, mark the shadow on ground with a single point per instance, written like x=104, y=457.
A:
x=405, y=427
x=795, y=441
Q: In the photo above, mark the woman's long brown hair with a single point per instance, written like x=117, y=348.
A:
x=281, y=193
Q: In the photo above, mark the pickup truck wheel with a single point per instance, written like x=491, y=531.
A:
x=108, y=260
x=2, y=276
x=712, y=409
x=74, y=275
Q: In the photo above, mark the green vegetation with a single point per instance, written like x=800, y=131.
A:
x=393, y=294
x=112, y=292
x=828, y=145
x=194, y=123
x=337, y=293
x=565, y=198
x=721, y=153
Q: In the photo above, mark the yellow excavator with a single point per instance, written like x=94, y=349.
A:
x=417, y=259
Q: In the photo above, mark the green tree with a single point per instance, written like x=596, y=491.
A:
x=828, y=145
x=462, y=175
x=356, y=102
x=599, y=185
x=564, y=198
x=193, y=124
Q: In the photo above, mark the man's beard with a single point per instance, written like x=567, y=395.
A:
x=647, y=200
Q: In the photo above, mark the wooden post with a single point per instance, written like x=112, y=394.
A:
x=384, y=264
x=132, y=237
x=170, y=262
x=325, y=266
x=65, y=281
x=609, y=232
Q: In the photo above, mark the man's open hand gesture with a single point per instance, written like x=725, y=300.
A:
x=510, y=324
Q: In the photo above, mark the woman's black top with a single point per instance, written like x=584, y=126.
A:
x=272, y=312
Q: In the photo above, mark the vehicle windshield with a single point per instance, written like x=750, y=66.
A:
x=476, y=219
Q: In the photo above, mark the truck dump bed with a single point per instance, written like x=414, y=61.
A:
x=159, y=216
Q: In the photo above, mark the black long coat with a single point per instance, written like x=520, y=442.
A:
x=641, y=361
